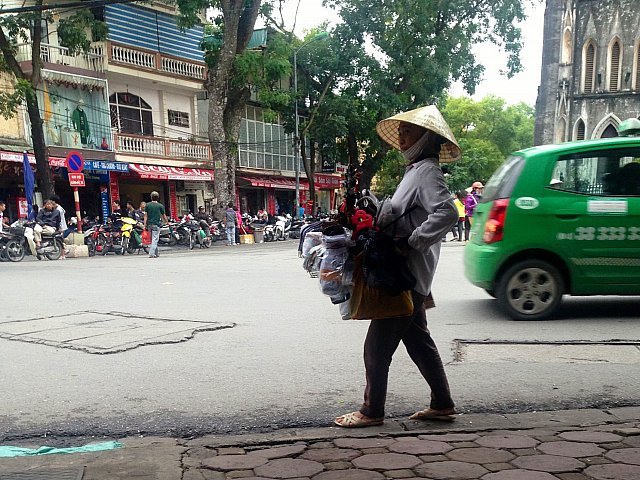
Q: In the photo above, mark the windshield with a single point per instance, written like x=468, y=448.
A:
x=501, y=183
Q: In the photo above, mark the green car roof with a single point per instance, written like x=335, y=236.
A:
x=579, y=145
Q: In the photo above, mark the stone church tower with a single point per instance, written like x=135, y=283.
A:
x=590, y=78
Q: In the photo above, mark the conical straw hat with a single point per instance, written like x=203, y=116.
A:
x=428, y=117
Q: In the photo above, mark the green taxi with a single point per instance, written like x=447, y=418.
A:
x=559, y=220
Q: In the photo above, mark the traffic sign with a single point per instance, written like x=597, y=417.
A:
x=76, y=179
x=74, y=162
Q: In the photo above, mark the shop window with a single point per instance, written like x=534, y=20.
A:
x=130, y=114
x=178, y=119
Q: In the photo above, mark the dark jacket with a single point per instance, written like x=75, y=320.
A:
x=49, y=218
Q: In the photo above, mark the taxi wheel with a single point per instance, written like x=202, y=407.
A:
x=530, y=290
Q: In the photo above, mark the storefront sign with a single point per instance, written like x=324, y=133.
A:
x=173, y=200
x=194, y=185
x=102, y=165
x=327, y=181
x=23, y=207
x=17, y=157
x=104, y=200
x=114, y=187
x=157, y=172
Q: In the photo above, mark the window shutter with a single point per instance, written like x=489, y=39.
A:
x=589, y=69
x=580, y=131
x=614, y=81
x=638, y=67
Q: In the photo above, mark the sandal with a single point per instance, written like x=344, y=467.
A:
x=357, y=420
x=447, y=415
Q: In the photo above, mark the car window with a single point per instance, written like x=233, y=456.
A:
x=608, y=173
x=501, y=183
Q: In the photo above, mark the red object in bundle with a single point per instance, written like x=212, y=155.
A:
x=360, y=221
x=146, y=237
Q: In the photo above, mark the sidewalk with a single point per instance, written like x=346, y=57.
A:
x=565, y=445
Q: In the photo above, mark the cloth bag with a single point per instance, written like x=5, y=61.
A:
x=371, y=303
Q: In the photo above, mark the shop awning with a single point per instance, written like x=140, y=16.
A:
x=281, y=183
x=157, y=172
x=17, y=157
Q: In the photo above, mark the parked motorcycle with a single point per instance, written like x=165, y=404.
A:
x=51, y=246
x=168, y=235
x=282, y=227
x=13, y=245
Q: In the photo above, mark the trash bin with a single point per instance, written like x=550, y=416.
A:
x=258, y=235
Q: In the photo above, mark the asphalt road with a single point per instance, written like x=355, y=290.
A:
x=274, y=352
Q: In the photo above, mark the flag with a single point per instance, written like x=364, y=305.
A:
x=29, y=184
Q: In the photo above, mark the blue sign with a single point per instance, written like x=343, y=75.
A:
x=104, y=198
x=106, y=166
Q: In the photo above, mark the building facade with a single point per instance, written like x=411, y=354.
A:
x=590, y=79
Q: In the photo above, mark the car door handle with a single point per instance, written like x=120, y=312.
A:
x=567, y=216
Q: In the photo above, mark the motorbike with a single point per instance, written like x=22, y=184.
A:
x=51, y=246
x=168, y=235
x=13, y=245
x=132, y=236
x=269, y=233
x=296, y=227
x=198, y=234
x=282, y=227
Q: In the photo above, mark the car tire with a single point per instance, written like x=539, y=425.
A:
x=530, y=290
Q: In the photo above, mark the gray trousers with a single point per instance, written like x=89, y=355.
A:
x=383, y=339
x=155, y=237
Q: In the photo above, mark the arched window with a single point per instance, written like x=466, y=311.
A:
x=561, y=128
x=637, y=65
x=589, y=68
x=567, y=46
x=130, y=114
x=580, y=130
x=615, y=61
x=609, y=132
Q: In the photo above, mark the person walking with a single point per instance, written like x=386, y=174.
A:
x=425, y=140
x=154, y=216
x=230, y=223
x=470, y=203
x=460, y=205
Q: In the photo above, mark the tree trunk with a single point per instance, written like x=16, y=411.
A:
x=225, y=103
x=45, y=177
x=309, y=170
x=370, y=166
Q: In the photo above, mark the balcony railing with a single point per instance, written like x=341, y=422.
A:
x=161, y=147
x=134, y=57
x=92, y=60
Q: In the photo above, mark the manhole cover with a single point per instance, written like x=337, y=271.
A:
x=547, y=352
x=104, y=332
x=74, y=474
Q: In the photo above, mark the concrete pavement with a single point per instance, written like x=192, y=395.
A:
x=564, y=445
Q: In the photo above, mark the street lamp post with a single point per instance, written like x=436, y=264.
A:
x=296, y=146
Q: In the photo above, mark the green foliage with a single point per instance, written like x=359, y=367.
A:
x=11, y=101
x=488, y=131
x=390, y=173
x=76, y=32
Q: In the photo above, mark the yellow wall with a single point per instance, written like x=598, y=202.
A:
x=12, y=128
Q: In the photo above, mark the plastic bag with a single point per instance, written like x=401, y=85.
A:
x=332, y=266
x=146, y=237
x=311, y=239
